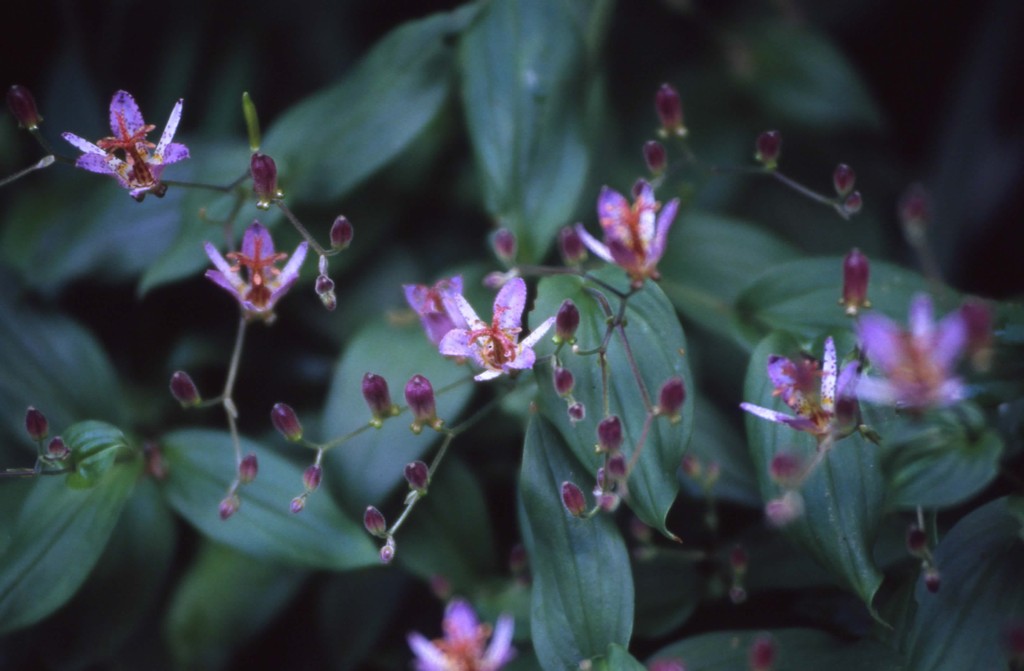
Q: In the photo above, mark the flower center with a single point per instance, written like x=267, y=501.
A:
x=134, y=148
x=259, y=267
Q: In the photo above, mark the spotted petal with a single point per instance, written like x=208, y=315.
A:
x=169, y=130
x=123, y=106
x=509, y=305
x=594, y=245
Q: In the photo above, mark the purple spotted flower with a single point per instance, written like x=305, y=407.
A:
x=634, y=235
x=917, y=364
x=127, y=156
x=495, y=347
x=828, y=409
x=437, y=315
x=265, y=284
x=463, y=645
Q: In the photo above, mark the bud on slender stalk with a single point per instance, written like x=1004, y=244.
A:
x=856, y=271
x=616, y=468
x=853, y=203
x=504, y=242
x=23, y=107
x=325, y=290
x=418, y=476
x=286, y=422
x=36, y=424
x=572, y=499
x=248, y=469
x=57, y=449
x=419, y=395
x=341, y=232
x=577, y=412
x=184, y=390
x=671, y=397
x=571, y=245
x=387, y=553
x=374, y=522
x=264, y=180
x=769, y=147
x=670, y=111
x=655, y=157
x=564, y=381
x=312, y=476
x=229, y=506
x=932, y=579
x=762, y=654
x=609, y=434
x=786, y=469
x=378, y=398
x=298, y=504
x=917, y=542
x=843, y=179
x=915, y=213
x=567, y=320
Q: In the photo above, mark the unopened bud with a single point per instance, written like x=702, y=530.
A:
x=670, y=111
x=264, y=180
x=917, y=542
x=608, y=501
x=342, y=232
x=564, y=381
x=441, y=586
x=762, y=654
x=419, y=395
x=229, y=506
x=616, y=468
x=609, y=434
x=853, y=203
x=571, y=245
x=843, y=179
x=418, y=476
x=856, y=271
x=786, y=469
x=312, y=476
x=783, y=510
x=691, y=466
x=577, y=412
x=977, y=319
x=378, y=398
x=325, y=290
x=769, y=147
x=567, y=320
x=915, y=213
x=572, y=499
x=23, y=107
x=184, y=390
x=737, y=594
x=932, y=579
x=298, y=504
x=671, y=397
x=286, y=422
x=36, y=424
x=739, y=560
x=504, y=242
x=57, y=449
x=655, y=157
x=387, y=553
x=247, y=469
x=374, y=522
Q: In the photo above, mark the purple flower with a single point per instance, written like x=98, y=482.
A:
x=822, y=411
x=266, y=283
x=494, y=347
x=133, y=161
x=463, y=644
x=633, y=237
x=918, y=364
x=436, y=313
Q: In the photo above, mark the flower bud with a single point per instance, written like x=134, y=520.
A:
x=853, y=203
x=671, y=397
x=769, y=147
x=655, y=156
x=977, y=320
x=264, y=180
x=572, y=499
x=691, y=465
x=23, y=107
x=608, y=501
x=341, y=232
x=325, y=290
x=419, y=395
x=184, y=390
x=670, y=111
x=564, y=381
x=856, y=271
x=418, y=476
x=843, y=179
x=783, y=510
x=504, y=242
x=36, y=424
x=298, y=504
x=786, y=469
x=567, y=320
x=609, y=434
x=247, y=469
x=378, y=398
x=762, y=654
x=577, y=412
x=917, y=542
x=57, y=449
x=932, y=579
x=616, y=468
x=374, y=522
x=571, y=245
x=286, y=422
x=915, y=213
x=441, y=587
x=387, y=553
x=229, y=506
x=312, y=476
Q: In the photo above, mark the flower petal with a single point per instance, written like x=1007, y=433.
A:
x=509, y=305
x=96, y=163
x=950, y=340
x=882, y=341
x=290, y=272
x=500, y=650
x=457, y=303
x=257, y=231
x=876, y=390
x=766, y=413
x=612, y=210
x=828, y=377
x=665, y=219
x=524, y=360
x=460, y=623
x=82, y=144
x=457, y=343
x=170, y=129
x=123, y=107
x=225, y=282
x=428, y=656
x=215, y=257
x=172, y=153
x=537, y=334
x=922, y=318
x=488, y=374
x=594, y=245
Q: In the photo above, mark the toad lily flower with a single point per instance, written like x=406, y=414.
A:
x=462, y=648
x=266, y=284
x=917, y=364
x=133, y=161
x=826, y=411
x=494, y=347
x=633, y=237
x=437, y=315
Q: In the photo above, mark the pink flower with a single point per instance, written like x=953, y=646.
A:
x=136, y=163
x=437, y=315
x=462, y=648
x=634, y=237
x=494, y=347
x=266, y=284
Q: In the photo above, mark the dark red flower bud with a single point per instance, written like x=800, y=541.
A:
x=229, y=506
x=36, y=424
x=184, y=390
x=609, y=434
x=932, y=579
x=374, y=522
x=418, y=476
x=387, y=553
x=341, y=232
x=248, y=469
x=655, y=156
x=608, y=501
x=577, y=412
x=298, y=504
x=617, y=468
x=915, y=213
x=419, y=395
x=843, y=179
x=670, y=110
x=564, y=381
x=769, y=147
x=377, y=397
x=671, y=397
x=571, y=245
x=312, y=476
x=917, y=542
x=23, y=107
x=324, y=285
x=264, y=180
x=567, y=320
x=762, y=654
x=57, y=449
x=856, y=271
x=504, y=242
x=572, y=499
x=853, y=203
x=977, y=318
x=786, y=469
x=286, y=422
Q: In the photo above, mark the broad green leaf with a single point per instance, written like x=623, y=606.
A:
x=530, y=98
x=56, y=537
x=842, y=499
x=354, y=608
x=582, y=583
x=201, y=465
x=796, y=650
x=963, y=624
x=363, y=470
x=667, y=592
x=94, y=446
x=225, y=598
x=329, y=143
x=619, y=659
x=717, y=440
x=659, y=349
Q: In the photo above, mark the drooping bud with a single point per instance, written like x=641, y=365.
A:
x=341, y=232
x=286, y=422
x=264, y=180
x=609, y=434
x=670, y=111
x=769, y=147
x=616, y=468
x=418, y=476
x=247, y=469
x=853, y=203
x=608, y=501
x=419, y=395
x=917, y=542
x=325, y=290
x=378, y=398
x=572, y=499
x=856, y=271
x=785, y=509
x=577, y=412
x=655, y=157
x=23, y=107
x=57, y=449
x=229, y=506
x=915, y=213
x=298, y=504
x=843, y=179
x=312, y=476
x=671, y=397
x=184, y=390
x=387, y=553
x=567, y=320
x=36, y=424
x=564, y=381
x=504, y=242
x=762, y=654
x=571, y=245
x=374, y=522
x=786, y=469
x=932, y=579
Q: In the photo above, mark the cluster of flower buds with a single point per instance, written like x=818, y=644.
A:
x=38, y=429
x=325, y=287
x=669, y=108
x=570, y=244
x=917, y=546
x=850, y=201
x=419, y=396
x=856, y=271
x=378, y=399
x=311, y=478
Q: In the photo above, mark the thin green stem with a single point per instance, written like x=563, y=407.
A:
x=302, y=230
x=229, y=386
x=44, y=162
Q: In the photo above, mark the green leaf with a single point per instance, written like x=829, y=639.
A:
x=962, y=625
x=530, y=98
x=582, y=584
x=94, y=446
x=56, y=537
x=658, y=346
x=796, y=650
x=667, y=592
x=619, y=659
x=842, y=499
x=329, y=143
x=201, y=466
x=224, y=599
x=369, y=466
x=354, y=608
x=717, y=440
